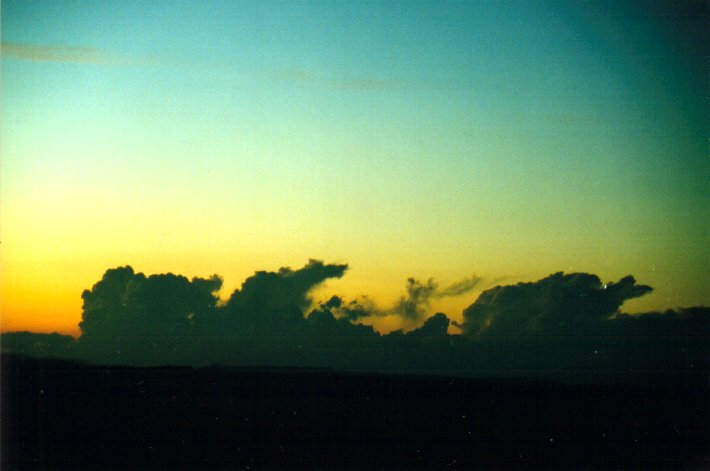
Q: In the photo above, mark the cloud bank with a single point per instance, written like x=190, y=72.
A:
x=564, y=326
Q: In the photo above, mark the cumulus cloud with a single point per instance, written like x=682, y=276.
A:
x=134, y=318
x=436, y=326
x=564, y=324
x=129, y=303
x=557, y=305
x=281, y=295
x=681, y=324
x=570, y=326
x=130, y=317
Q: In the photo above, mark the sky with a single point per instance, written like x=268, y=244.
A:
x=501, y=140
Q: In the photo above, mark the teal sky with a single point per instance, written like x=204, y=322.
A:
x=505, y=139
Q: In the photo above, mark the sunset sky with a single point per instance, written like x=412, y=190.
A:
x=506, y=140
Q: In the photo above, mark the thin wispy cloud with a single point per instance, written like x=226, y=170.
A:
x=307, y=77
x=54, y=53
x=96, y=56
x=294, y=75
x=76, y=55
x=367, y=84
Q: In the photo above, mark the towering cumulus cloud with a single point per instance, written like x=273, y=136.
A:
x=275, y=297
x=129, y=316
x=557, y=305
x=128, y=303
x=570, y=325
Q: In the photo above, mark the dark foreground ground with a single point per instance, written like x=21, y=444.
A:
x=62, y=415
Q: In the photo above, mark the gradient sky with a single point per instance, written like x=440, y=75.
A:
x=508, y=140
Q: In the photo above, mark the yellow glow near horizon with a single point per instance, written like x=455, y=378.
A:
x=486, y=152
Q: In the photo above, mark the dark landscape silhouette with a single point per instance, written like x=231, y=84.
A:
x=547, y=372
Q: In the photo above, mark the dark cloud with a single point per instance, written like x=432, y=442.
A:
x=570, y=326
x=684, y=323
x=436, y=326
x=280, y=296
x=565, y=326
x=128, y=303
x=131, y=317
x=413, y=306
x=324, y=324
x=287, y=286
x=356, y=309
x=459, y=288
x=557, y=305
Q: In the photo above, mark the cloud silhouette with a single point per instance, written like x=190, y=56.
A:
x=459, y=288
x=564, y=326
x=413, y=305
x=557, y=305
x=129, y=303
x=436, y=326
x=131, y=317
x=285, y=286
x=357, y=309
x=683, y=324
